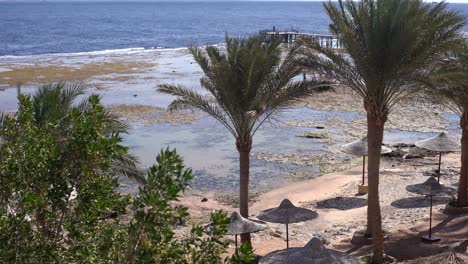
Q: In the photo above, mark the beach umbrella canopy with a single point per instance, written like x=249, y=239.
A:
x=448, y=258
x=430, y=187
x=287, y=213
x=359, y=148
x=241, y=225
x=439, y=143
x=312, y=253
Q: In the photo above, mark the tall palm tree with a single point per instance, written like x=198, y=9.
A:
x=449, y=86
x=388, y=44
x=52, y=103
x=246, y=85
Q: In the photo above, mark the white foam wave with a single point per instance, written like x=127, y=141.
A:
x=125, y=51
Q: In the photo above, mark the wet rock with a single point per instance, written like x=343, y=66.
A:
x=412, y=156
x=314, y=135
x=406, y=151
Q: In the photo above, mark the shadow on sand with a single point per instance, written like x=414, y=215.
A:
x=342, y=203
x=419, y=202
x=406, y=244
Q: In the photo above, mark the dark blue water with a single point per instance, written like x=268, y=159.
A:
x=40, y=28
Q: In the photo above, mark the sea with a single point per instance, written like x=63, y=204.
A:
x=76, y=34
x=28, y=28
x=51, y=27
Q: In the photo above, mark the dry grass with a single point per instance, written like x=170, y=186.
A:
x=82, y=72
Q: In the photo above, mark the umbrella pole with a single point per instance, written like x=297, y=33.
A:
x=440, y=161
x=287, y=236
x=236, y=243
x=430, y=239
x=363, y=169
x=430, y=220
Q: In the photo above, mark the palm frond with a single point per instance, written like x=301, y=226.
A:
x=53, y=101
x=126, y=166
x=447, y=84
x=188, y=99
x=245, y=85
x=389, y=46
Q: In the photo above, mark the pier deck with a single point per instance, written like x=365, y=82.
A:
x=328, y=41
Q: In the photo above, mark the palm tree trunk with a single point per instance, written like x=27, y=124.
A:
x=244, y=164
x=462, y=199
x=375, y=138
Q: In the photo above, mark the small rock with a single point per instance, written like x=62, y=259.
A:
x=314, y=135
x=275, y=234
x=204, y=200
x=412, y=156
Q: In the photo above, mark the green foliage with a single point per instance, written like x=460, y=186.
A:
x=244, y=255
x=59, y=201
x=247, y=84
x=389, y=46
x=54, y=102
x=153, y=237
x=448, y=84
x=52, y=183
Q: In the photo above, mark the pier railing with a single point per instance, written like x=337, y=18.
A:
x=324, y=40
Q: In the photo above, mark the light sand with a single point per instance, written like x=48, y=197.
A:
x=341, y=212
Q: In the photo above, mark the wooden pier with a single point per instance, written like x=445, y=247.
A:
x=328, y=41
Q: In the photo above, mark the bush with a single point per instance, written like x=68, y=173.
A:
x=59, y=201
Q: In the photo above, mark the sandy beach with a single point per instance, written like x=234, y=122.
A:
x=342, y=212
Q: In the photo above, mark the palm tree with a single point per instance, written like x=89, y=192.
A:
x=246, y=85
x=388, y=44
x=449, y=86
x=52, y=103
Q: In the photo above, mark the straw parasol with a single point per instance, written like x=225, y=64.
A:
x=287, y=213
x=446, y=258
x=359, y=148
x=240, y=225
x=440, y=143
x=430, y=187
x=312, y=253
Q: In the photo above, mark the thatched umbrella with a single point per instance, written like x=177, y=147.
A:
x=446, y=258
x=287, y=213
x=430, y=187
x=359, y=148
x=440, y=143
x=240, y=225
x=312, y=253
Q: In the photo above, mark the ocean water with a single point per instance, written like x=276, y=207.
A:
x=64, y=27
x=45, y=27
